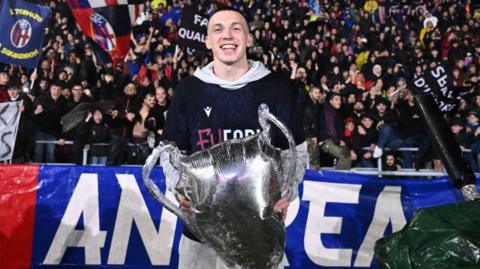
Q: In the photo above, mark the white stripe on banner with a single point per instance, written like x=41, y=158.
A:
x=97, y=3
x=135, y=12
x=9, y=118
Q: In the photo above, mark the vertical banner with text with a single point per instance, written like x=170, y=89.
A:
x=9, y=119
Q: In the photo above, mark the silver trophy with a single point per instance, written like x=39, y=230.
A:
x=233, y=187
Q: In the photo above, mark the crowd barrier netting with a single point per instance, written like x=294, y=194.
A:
x=103, y=217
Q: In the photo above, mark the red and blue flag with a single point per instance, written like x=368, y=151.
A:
x=108, y=23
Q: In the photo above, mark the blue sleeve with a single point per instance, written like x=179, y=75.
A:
x=288, y=112
x=176, y=125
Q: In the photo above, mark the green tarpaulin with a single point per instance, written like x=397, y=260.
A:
x=436, y=238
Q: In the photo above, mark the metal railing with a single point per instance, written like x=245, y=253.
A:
x=403, y=172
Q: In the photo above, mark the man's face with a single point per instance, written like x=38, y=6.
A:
x=55, y=91
x=228, y=37
x=456, y=129
x=472, y=119
x=66, y=93
x=390, y=160
x=367, y=122
x=381, y=107
x=301, y=73
x=4, y=78
x=336, y=102
x=43, y=84
x=45, y=65
x=149, y=101
x=358, y=106
x=97, y=116
x=63, y=75
x=13, y=92
x=161, y=95
x=72, y=57
x=315, y=94
x=130, y=89
x=77, y=92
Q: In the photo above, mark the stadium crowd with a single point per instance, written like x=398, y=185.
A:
x=350, y=64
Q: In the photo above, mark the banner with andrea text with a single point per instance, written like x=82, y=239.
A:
x=103, y=217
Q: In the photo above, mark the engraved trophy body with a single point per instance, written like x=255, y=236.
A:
x=233, y=187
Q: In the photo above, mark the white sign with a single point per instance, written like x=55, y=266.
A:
x=9, y=119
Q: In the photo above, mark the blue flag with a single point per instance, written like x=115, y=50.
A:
x=22, y=28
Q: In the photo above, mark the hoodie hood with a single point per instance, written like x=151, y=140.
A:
x=257, y=71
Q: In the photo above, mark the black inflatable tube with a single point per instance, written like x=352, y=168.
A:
x=444, y=142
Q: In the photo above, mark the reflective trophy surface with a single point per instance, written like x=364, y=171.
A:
x=233, y=187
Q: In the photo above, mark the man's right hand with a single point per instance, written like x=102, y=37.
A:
x=38, y=110
x=185, y=203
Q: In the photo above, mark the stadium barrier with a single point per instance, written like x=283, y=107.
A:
x=103, y=217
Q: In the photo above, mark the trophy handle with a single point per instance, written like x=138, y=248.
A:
x=263, y=116
x=152, y=188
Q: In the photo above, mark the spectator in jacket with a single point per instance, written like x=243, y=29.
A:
x=411, y=129
x=331, y=132
x=96, y=131
x=78, y=96
x=310, y=126
x=161, y=95
x=365, y=136
x=121, y=120
x=4, y=79
x=386, y=123
x=47, y=111
x=465, y=140
x=155, y=120
x=472, y=128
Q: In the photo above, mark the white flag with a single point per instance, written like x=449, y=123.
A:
x=9, y=119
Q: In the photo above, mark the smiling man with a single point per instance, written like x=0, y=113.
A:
x=221, y=102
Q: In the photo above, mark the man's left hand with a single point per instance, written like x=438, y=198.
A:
x=282, y=207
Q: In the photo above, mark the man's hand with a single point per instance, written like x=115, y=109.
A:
x=361, y=130
x=89, y=116
x=185, y=203
x=38, y=110
x=380, y=125
x=282, y=207
x=88, y=92
x=353, y=155
x=130, y=116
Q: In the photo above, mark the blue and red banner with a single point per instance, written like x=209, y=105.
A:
x=23, y=28
x=108, y=23
x=103, y=217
